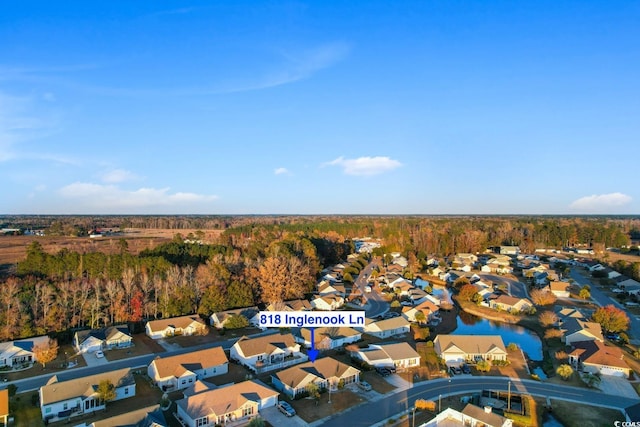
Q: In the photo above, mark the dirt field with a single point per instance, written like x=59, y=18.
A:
x=14, y=248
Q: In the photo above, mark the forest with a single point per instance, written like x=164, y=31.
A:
x=255, y=260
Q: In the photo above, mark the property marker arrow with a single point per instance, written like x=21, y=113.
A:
x=313, y=353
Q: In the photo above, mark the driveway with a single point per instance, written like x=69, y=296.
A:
x=92, y=360
x=277, y=418
x=515, y=288
x=617, y=387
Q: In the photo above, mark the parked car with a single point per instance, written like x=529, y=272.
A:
x=612, y=336
x=466, y=369
x=617, y=291
x=99, y=354
x=455, y=370
x=364, y=385
x=383, y=371
x=286, y=409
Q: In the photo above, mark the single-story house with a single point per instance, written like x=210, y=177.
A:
x=326, y=288
x=510, y=304
x=387, y=327
x=401, y=355
x=327, y=373
x=457, y=349
x=267, y=352
x=509, y=250
x=327, y=302
x=429, y=309
x=184, y=325
x=90, y=341
x=576, y=330
x=598, y=358
x=220, y=318
x=60, y=400
x=219, y=406
x=180, y=371
x=19, y=352
x=560, y=289
x=471, y=416
x=292, y=305
x=329, y=338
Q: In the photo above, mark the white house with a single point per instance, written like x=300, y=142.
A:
x=428, y=309
x=220, y=318
x=327, y=373
x=560, y=289
x=90, y=341
x=60, y=400
x=220, y=406
x=267, y=352
x=471, y=416
x=457, y=349
x=387, y=328
x=185, y=325
x=597, y=358
x=20, y=352
x=401, y=355
x=329, y=338
x=183, y=370
x=578, y=330
x=328, y=302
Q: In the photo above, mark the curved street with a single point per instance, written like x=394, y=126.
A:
x=373, y=412
x=377, y=305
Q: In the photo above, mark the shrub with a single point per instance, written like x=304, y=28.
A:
x=425, y=405
x=512, y=346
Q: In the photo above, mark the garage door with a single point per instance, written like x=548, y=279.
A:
x=612, y=372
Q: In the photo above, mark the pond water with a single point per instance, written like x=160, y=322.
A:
x=551, y=421
x=527, y=340
x=540, y=373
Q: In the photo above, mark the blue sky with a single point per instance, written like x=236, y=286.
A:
x=377, y=107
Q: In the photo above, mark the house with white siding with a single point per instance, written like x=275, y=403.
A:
x=457, y=349
x=387, y=328
x=326, y=373
x=181, y=371
x=267, y=352
x=329, y=338
x=236, y=403
x=60, y=400
x=184, y=325
x=20, y=352
x=400, y=355
x=90, y=341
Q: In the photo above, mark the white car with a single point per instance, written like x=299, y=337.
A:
x=617, y=291
x=99, y=354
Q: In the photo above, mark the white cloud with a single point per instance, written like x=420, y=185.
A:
x=118, y=175
x=110, y=198
x=282, y=171
x=600, y=202
x=365, y=166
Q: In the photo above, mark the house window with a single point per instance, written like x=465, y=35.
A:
x=126, y=391
x=190, y=380
x=247, y=411
x=202, y=421
x=184, y=382
x=48, y=410
x=260, y=356
x=65, y=407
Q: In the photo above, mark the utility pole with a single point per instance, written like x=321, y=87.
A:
x=509, y=398
x=413, y=423
x=439, y=403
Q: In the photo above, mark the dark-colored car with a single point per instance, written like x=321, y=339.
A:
x=383, y=371
x=466, y=369
x=286, y=409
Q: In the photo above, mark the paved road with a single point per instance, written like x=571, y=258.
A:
x=377, y=304
x=374, y=412
x=603, y=299
x=34, y=383
x=515, y=288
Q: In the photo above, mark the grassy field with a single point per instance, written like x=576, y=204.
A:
x=575, y=415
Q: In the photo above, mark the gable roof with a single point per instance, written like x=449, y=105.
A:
x=174, y=322
x=597, y=353
x=265, y=344
x=488, y=418
x=398, y=351
x=179, y=364
x=224, y=400
x=293, y=305
x=324, y=368
x=558, y=286
x=247, y=312
x=470, y=344
x=572, y=325
x=135, y=418
x=510, y=301
x=386, y=324
x=104, y=334
x=57, y=391
x=332, y=333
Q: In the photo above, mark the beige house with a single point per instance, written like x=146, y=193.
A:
x=182, y=370
x=327, y=373
x=185, y=325
x=510, y=304
x=559, y=289
x=598, y=358
x=457, y=349
x=329, y=338
x=231, y=404
x=267, y=352
x=579, y=330
x=387, y=328
x=401, y=355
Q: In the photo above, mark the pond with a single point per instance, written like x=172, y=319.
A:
x=527, y=340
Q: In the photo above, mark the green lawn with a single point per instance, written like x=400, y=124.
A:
x=24, y=412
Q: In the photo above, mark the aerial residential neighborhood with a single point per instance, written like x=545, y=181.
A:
x=432, y=330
